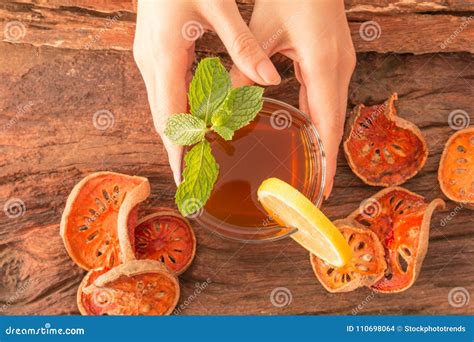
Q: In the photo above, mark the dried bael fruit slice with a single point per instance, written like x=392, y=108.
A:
x=86, y=303
x=381, y=148
x=366, y=267
x=97, y=216
x=137, y=287
x=401, y=220
x=456, y=168
x=167, y=237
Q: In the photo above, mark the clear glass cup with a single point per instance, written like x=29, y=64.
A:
x=282, y=142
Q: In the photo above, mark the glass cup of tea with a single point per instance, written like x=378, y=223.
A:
x=281, y=142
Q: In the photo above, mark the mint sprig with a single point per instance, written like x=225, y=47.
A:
x=208, y=89
x=240, y=108
x=214, y=106
x=185, y=129
x=199, y=176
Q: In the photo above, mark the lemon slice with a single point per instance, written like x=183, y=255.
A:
x=315, y=231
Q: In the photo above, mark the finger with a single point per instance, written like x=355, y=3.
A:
x=238, y=78
x=345, y=76
x=303, y=93
x=175, y=156
x=304, y=107
x=242, y=46
x=323, y=99
x=166, y=78
x=172, y=79
x=303, y=99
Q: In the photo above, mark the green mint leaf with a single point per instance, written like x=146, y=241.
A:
x=241, y=106
x=208, y=89
x=199, y=176
x=224, y=132
x=212, y=102
x=185, y=129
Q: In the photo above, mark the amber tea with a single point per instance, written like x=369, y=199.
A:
x=280, y=143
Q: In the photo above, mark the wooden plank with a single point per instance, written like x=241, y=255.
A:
x=49, y=23
x=48, y=142
x=352, y=6
x=403, y=33
x=407, y=6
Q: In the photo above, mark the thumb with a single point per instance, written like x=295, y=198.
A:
x=242, y=46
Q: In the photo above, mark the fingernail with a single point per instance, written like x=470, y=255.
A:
x=177, y=178
x=268, y=73
x=327, y=191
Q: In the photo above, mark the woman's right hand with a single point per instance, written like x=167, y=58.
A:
x=316, y=36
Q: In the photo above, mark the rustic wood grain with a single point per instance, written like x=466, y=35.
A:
x=86, y=24
x=373, y=6
x=407, y=6
x=48, y=149
x=48, y=96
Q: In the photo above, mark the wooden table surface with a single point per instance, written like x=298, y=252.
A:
x=74, y=59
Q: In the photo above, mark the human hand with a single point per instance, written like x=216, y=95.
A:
x=164, y=52
x=316, y=36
